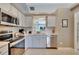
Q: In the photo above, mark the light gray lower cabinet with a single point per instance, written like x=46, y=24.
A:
x=4, y=50
x=36, y=42
x=43, y=43
x=28, y=42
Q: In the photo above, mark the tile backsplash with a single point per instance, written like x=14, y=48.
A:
x=8, y=28
x=13, y=29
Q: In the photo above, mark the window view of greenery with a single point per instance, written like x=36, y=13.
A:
x=40, y=24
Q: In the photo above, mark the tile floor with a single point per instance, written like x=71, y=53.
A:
x=59, y=51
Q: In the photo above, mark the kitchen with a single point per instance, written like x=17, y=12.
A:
x=42, y=30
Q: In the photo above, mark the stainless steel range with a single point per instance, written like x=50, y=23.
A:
x=16, y=45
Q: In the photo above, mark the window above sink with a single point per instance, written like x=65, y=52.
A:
x=39, y=24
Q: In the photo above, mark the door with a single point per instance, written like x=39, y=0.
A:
x=76, y=31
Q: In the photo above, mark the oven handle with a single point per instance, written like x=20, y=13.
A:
x=16, y=42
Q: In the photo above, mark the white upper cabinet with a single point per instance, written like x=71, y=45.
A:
x=14, y=11
x=51, y=21
x=23, y=19
x=5, y=6
x=20, y=18
x=9, y=9
x=29, y=21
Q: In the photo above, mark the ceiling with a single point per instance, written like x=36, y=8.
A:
x=41, y=8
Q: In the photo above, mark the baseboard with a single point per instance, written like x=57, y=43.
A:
x=42, y=48
x=35, y=48
x=51, y=47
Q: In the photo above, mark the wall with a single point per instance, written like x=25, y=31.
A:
x=65, y=35
x=8, y=28
x=14, y=29
x=75, y=11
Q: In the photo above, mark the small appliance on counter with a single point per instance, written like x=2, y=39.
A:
x=29, y=32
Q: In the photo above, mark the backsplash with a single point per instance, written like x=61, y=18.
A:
x=14, y=29
x=46, y=31
x=8, y=28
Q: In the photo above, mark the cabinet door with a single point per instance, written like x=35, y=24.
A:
x=29, y=21
x=4, y=49
x=20, y=18
x=35, y=42
x=28, y=42
x=51, y=21
x=24, y=21
x=6, y=53
x=14, y=11
x=43, y=42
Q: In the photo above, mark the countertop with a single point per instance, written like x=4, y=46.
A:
x=17, y=41
x=3, y=43
x=42, y=34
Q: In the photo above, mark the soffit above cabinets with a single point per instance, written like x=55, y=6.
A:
x=41, y=8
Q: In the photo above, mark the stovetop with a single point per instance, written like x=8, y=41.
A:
x=12, y=39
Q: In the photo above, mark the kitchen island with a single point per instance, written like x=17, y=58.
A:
x=40, y=41
x=36, y=41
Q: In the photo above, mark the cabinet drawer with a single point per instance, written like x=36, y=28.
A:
x=3, y=49
x=5, y=53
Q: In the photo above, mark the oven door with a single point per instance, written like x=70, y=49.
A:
x=18, y=49
x=5, y=37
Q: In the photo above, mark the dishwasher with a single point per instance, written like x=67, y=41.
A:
x=52, y=41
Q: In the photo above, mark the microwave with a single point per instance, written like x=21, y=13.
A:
x=9, y=19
